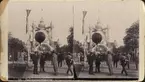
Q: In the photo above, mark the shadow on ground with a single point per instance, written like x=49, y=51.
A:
x=16, y=71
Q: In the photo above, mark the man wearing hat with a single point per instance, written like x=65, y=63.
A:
x=90, y=62
x=98, y=61
x=124, y=62
x=42, y=61
x=35, y=58
x=69, y=62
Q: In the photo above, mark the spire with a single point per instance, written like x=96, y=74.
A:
x=41, y=24
x=41, y=20
x=41, y=14
x=98, y=25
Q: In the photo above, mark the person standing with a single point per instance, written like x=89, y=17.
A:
x=60, y=59
x=81, y=57
x=54, y=62
x=35, y=58
x=82, y=60
x=115, y=60
x=97, y=63
x=69, y=62
x=137, y=61
x=128, y=58
x=90, y=62
x=42, y=62
x=109, y=62
x=78, y=57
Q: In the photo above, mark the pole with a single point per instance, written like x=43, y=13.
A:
x=51, y=27
x=27, y=21
x=83, y=26
x=73, y=28
x=89, y=38
x=27, y=24
x=73, y=16
x=83, y=21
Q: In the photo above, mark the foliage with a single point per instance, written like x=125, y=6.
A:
x=132, y=37
x=15, y=45
x=64, y=48
x=77, y=47
x=120, y=49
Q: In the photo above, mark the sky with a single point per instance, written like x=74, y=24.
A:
x=118, y=15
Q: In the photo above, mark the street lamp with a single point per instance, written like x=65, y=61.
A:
x=83, y=21
x=27, y=24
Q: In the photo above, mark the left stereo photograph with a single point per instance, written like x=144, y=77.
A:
x=40, y=40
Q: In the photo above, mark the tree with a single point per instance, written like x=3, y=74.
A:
x=77, y=46
x=14, y=46
x=64, y=48
x=132, y=37
x=120, y=49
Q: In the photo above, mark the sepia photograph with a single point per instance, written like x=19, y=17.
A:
x=76, y=40
x=40, y=40
x=106, y=40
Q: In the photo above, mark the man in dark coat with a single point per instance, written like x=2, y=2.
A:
x=98, y=62
x=90, y=62
x=115, y=60
x=82, y=60
x=42, y=62
x=124, y=62
x=136, y=61
x=69, y=62
x=81, y=57
x=60, y=59
x=35, y=58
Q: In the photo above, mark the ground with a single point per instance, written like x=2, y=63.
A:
x=28, y=72
x=132, y=72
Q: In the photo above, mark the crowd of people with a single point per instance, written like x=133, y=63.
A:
x=59, y=58
x=120, y=58
x=56, y=59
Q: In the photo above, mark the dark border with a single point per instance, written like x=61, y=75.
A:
x=93, y=79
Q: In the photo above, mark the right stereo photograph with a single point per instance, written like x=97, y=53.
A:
x=106, y=40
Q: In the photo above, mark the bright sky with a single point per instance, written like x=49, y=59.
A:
x=117, y=15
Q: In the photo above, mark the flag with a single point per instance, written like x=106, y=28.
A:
x=27, y=12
